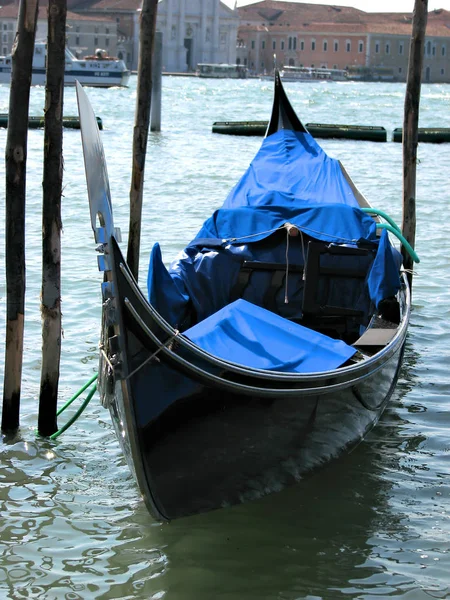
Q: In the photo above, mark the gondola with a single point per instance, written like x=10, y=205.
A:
x=273, y=342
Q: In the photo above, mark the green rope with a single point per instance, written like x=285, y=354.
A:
x=75, y=396
x=79, y=411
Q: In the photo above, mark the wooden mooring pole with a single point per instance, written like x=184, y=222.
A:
x=155, y=112
x=141, y=128
x=410, y=128
x=51, y=217
x=15, y=168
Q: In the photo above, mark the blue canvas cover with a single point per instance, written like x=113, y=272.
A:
x=252, y=336
x=291, y=180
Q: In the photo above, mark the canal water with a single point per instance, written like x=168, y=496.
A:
x=376, y=524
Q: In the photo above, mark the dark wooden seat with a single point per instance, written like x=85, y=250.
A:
x=277, y=281
x=335, y=295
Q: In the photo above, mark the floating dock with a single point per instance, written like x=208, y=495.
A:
x=38, y=122
x=317, y=130
x=433, y=135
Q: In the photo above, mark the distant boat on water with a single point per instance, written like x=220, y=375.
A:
x=222, y=71
x=291, y=73
x=98, y=70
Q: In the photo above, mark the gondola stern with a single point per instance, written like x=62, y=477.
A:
x=283, y=115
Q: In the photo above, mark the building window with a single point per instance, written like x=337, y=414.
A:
x=4, y=50
x=401, y=48
x=348, y=45
x=282, y=44
x=96, y=29
x=107, y=42
x=400, y=70
x=443, y=50
x=274, y=45
x=442, y=71
x=107, y=30
x=302, y=44
x=360, y=47
x=77, y=28
x=263, y=44
x=377, y=47
x=96, y=41
x=253, y=44
x=336, y=45
x=77, y=40
x=290, y=44
x=387, y=49
x=313, y=44
x=335, y=66
x=294, y=43
x=434, y=51
x=428, y=50
x=325, y=45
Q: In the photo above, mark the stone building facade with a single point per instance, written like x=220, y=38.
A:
x=84, y=33
x=193, y=30
x=196, y=31
x=297, y=33
x=337, y=37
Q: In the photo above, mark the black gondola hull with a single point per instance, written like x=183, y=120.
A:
x=195, y=446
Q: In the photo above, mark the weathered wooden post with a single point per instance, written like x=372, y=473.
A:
x=16, y=159
x=51, y=217
x=141, y=127
x=410, y=128
x=155, y=113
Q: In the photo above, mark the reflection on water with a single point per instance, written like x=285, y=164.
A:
x=374, y=524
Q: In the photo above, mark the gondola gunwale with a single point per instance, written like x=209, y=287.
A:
x=208, y=378
x=372, y=363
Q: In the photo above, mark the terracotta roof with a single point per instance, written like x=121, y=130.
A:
x=315, y=18
x=274, y=11
x=11, y=11
x=108, y=5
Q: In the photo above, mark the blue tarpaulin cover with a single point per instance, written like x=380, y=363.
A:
x=252, y=336
x=291, y=180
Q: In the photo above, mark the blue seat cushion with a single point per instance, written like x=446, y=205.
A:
x=252, y=336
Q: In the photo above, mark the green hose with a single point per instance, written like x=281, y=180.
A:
x=393, y=228
x=403, y=240
x=381, y=213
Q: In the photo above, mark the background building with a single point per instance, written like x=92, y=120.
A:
x=84, y=33
x=196, y=31
x=371, y=45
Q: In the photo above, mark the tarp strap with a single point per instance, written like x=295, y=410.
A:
x=279, y=273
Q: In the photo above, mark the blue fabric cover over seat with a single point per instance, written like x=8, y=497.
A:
x=252, y=336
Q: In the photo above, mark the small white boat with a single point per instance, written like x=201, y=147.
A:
x=290, y=73
x=97, y=71
x=222, y=71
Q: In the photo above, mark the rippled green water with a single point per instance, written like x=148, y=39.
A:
x=376, y=524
